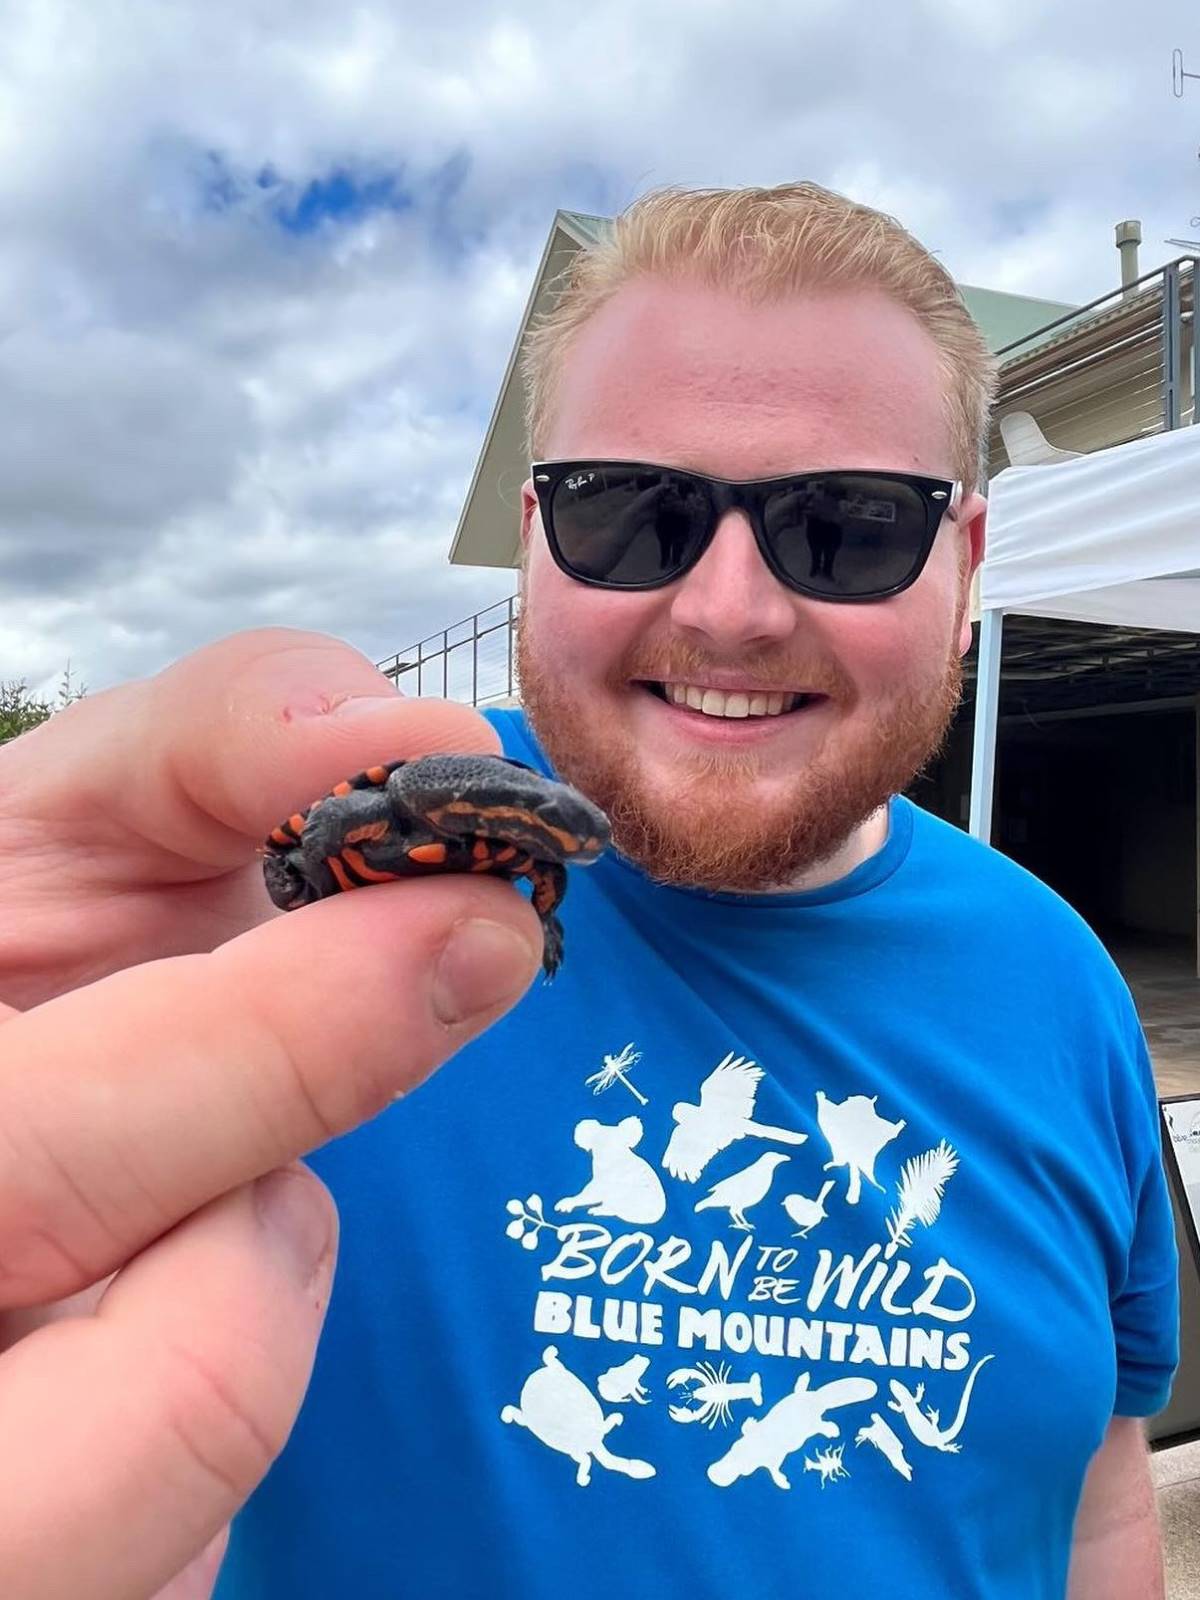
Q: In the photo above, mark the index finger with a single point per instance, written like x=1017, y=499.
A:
x=127, y=1105
x=178, y=777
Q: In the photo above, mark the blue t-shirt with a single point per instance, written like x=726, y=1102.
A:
x=800, y=1244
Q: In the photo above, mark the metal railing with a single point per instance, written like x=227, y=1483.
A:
x=1119, y=368
x=1125, y=365
x=471, y=660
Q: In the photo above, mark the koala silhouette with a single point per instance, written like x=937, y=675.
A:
x=622, y=1184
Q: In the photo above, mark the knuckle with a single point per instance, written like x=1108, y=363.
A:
x=224, y=1427
x=327, y=1104
x=363, y=1084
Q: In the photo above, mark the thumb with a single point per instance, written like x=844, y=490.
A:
x=132, y=1436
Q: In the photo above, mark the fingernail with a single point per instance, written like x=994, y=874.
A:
x=299, y=1219
x=482, y=965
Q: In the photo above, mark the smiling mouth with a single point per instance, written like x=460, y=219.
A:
x=735, y=704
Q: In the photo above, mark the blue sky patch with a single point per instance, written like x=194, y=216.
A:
x=342, y=196
x=338, y=196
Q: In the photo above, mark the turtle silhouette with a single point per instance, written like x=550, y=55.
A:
x=559, y=1409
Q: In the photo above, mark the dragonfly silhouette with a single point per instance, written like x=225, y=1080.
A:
x=615, y=1070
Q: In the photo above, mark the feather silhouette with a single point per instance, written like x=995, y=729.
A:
x=923, y=1180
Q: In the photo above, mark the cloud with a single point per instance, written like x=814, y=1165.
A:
x=261, y=263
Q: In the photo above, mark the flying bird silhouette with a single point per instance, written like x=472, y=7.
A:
x=741, y=1190
x=725, y=1114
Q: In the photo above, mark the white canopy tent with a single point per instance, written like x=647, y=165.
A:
x=1112, y=537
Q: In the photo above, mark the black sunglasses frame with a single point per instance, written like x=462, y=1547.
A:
x=940, y=497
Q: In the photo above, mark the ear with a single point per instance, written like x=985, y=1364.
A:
x=529, y=510
x=972, y=528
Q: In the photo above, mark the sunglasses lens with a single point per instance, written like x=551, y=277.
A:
x=628, y=525
x=844, y=536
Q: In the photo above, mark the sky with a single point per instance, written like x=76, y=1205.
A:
x=262, y=262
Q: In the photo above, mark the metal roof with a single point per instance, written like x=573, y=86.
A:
x=488, y=532
x=1050, y=666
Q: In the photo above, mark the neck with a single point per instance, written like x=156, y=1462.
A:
x=867, y=840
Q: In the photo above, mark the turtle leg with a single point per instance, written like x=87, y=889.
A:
x=549, y=882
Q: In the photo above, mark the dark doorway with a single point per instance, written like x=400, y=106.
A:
x=1095, y=774
x=1103, y=809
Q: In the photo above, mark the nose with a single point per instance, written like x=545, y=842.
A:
x=731, y=595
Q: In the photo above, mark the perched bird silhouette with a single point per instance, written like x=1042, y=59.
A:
x=806, y=1213
x=741, y=1190
x=723, y=1115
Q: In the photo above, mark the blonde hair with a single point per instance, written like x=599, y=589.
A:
x=763, y=244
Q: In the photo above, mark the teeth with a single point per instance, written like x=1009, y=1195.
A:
x=716, y=703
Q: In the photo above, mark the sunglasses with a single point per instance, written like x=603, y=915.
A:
x=843, y=535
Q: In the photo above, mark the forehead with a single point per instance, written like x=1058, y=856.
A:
x=692, y=376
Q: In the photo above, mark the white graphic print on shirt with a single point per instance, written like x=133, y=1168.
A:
x=558, y=1407
x=623, y=1185
x=725, y=1113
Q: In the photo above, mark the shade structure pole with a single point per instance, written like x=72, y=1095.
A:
x=987, y=716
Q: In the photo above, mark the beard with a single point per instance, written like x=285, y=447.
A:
x=714, y=829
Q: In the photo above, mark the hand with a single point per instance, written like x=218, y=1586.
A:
x=181, y=1044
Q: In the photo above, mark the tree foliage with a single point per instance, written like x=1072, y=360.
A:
x=20, y=710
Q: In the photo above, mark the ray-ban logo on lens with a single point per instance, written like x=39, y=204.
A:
x=579, y=480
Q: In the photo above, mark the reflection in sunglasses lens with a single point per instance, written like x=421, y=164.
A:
x=629, y=526
x=846, y=536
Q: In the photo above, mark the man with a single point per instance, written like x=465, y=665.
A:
x=809, y=1234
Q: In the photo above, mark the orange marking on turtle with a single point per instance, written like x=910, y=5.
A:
x=507, y=853
x=369, y=830
x=376, y=774
x=464, y=808
x=345, y=787
x=296, y=821
x=481, y=850
x=431, y=855
x=372, y=874
x=335, y=866
x=544, y=892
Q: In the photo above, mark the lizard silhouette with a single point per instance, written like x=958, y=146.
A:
x=924, y=1424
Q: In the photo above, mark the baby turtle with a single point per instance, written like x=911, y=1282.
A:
x=442, y=813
